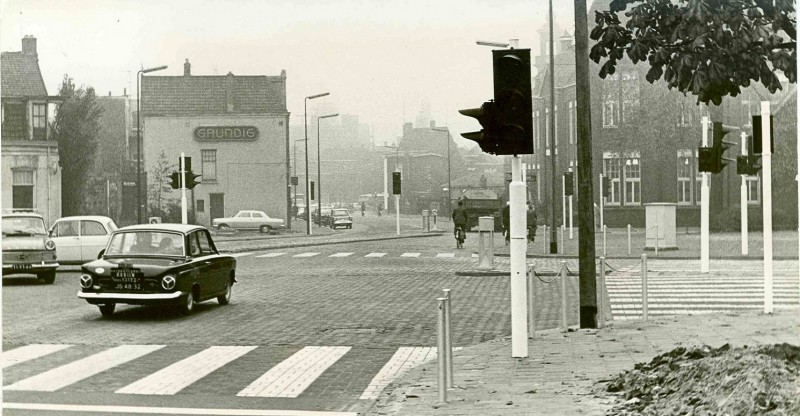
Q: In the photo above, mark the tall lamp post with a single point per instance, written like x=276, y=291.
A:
x=319, y=172
x=308, y=184
x=139, y=140
x=449, y=185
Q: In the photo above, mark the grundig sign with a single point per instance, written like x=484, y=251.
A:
x=226, y=133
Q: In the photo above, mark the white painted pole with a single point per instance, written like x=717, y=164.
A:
x=397, y=211
x=797, y=178
x=561, y=243
x=743, y=200
x=386, y=185
x=563, y=273
x=704, y=208
x=184, y=214
x=656, y=239
x=519, y=308
x=601, y=315
x=604, y=239
x=644, y=287
x=448, y=346
x=563, y=202
x=629, y=239
x=531, y=321
x=766, y=157
x=441, y=351
x=544, y=240
x=602, y=201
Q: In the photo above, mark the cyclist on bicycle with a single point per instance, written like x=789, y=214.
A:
x=459, y=218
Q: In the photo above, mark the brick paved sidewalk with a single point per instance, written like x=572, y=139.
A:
x=558, y=375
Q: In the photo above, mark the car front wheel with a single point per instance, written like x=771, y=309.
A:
x=226, y=298
x=186, y=307
x=107, y=309
x=47, y=277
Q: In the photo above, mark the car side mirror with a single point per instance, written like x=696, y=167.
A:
x=100, y=255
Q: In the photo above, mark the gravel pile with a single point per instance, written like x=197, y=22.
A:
x=699, y=381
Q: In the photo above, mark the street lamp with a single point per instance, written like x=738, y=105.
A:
x=305, y=131
x=319, y=174
x=139, y=140
x=449, y=185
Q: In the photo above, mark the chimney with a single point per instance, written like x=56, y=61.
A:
x=229, y=81
x=187, y=68
x=564, y=43
x=29, y=45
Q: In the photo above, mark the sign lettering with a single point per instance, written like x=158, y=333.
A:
x=226, y=133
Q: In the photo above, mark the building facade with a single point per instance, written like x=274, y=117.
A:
x=235, y=129
x=31, y=175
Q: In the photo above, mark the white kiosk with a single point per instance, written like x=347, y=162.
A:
x=660, y=226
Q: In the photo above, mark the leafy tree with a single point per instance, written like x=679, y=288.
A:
x=161, y=202
x=710, y=48
x=76, y=128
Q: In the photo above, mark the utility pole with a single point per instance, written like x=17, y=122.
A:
x=552, y=133
x=587, y=288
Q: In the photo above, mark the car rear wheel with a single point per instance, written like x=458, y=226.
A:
x=47, y=277
x=186, y=307
x=266, y=229
x=226, y=298
x=107, y=309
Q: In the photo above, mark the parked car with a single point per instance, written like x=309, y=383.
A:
x=340, y=217
x=158, y=264
x=80, y=239
x=26, y=247
x=326, y=217
x=249, y=220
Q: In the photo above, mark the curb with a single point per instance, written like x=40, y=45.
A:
x=500, y=273
x=323, y=243
x=632, y=257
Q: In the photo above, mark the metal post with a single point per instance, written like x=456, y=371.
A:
x=545, y=235
x=386, y=183
x=570, y=216
x=766, y=168
x=397, y=211
x=531, y=322
x=602, y=201
x=743, y=200
x=108, y=194
x=644, y=287
x=563, y=203
x=563, y=272
x=629, y=239
x=518, y=249
x=704, y=208
x=604, y=239
x=552, y=133
x=441, y=347
x=184, y=214
x=561, y=235
x=448, y=346
x=601, y=313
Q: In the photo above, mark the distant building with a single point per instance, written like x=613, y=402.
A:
x=236, y=130
x=30, y=171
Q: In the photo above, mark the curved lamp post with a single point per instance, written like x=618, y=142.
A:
x=319, y=174
x=308, y=184
x=139, y=140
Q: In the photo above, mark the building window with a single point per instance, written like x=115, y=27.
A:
x=685, y=117
x=22, y=189
x=201, y=205
x=633, y=179
x=753, y=186
x=611, y=101
x=684, y=177
x=630, y=96
x=39, y=121
x=612, y=171
x=209, y=165
x=14, y=121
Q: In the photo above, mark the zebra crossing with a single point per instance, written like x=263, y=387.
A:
x=310, y=254
x=289, y=378
x=676, y=292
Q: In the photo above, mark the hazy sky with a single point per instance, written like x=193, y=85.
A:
x=383, y=61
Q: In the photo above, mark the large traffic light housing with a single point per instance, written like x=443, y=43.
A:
x=175, y=180
x=757, y=135
x=486, y=115
x=748, y=164
x=513, y=99
x=396, y=183
x=712, y=159
x=191, y=179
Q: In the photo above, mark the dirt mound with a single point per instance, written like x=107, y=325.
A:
x=706, y=381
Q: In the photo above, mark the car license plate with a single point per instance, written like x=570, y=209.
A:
x=22, y=266
x=127, y=279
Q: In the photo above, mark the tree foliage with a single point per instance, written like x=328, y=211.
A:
x=76, y=128
x=161, y=200
x=710, y=48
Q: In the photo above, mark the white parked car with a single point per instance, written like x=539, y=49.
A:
x=249, y=220
x=80, y=239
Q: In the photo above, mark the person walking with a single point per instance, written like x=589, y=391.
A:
x=531, y=219
x=363, y=208
x=505, y=216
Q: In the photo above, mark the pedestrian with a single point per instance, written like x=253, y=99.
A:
x=532, y=220
x=295, y=210
x=363, y=208
x=380, y=208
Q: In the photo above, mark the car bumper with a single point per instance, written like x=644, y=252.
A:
x=23, y=268
x=130, y=298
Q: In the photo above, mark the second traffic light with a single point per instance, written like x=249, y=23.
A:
x=396, y=183
x=191, y=180
x=712, y=159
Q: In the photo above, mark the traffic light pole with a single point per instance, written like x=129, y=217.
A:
x=518, y=250
x=766, y=167
x=743, y=200
x=704, y=207
x=184, y=214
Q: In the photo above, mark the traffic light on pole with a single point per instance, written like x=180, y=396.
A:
x=606, y=186
x=486, y=115
x=719, y=146
x=175, y=180
x=513, y=101
x=757, y=136
x=191, y=179
x=568, y=184
x=396, y=183
x=748, y=164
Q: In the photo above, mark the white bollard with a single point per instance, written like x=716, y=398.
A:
x=629, y=239
x=448, y=346
x=563, y=296
x=604, y=240
x=531, y=323
x=644, y=287
x=561, y=243
x=485, y=243
x=601, y=316
x=440, y=345
x=546, y=236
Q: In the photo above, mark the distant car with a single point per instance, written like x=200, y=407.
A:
x=158, y=264
x=26, y=247
x=249, y=220
x=80, y=239
x=340, y=217
x=326, y=217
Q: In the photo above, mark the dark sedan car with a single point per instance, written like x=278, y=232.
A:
x=158, y=264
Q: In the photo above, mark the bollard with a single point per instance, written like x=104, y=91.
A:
x=440, y=345
x=629, y=239
x=601, y=315
x=604, y=240
x=424, y=218
x=644, y=287
x=531, y=324
x=563, y=296
x=448, y=346
x=546, y=236
x=561, y=243
x=485, y=250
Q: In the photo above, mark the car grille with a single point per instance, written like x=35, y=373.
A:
x=25, y=257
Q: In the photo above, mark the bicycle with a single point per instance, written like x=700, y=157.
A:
x=460, y=237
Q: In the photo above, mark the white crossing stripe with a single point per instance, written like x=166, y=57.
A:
x=270, y=255
x=30, y=352
x=309, y=254
x=446, y=255
x=475, y=255
x=241, y=254
x=410, y=255
x=182, y=374
x=294, y=374
x=78, y=370
x=341, y=254
x=375, y=255
x=404, y=359
x=141, y=410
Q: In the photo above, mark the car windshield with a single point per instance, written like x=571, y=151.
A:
x=340, y=213
x=134, y=243
x=23, y=226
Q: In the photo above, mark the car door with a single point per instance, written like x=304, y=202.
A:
x=259, y=219
x=94, y=238
x=240, y=220
x=217, y=269
x=66, y=236
x=201, y=270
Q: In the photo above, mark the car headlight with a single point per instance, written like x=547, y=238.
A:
x=50, y=245
x=86, y=281
x=168, y=282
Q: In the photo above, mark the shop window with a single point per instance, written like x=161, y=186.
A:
x=209, y=165
x=22, y=189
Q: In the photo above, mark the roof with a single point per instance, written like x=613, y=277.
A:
x=181, y=228
x=21, y=76
x=564, y=70
x=190, y=95
x=22, y=214
x=85, y=217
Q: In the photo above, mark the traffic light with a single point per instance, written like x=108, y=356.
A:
x=396, y=182
x=748, y=164
x=705, y=159
x=568, y=184
x=757, y=136
x=487, y=138
x=312, y=190
x=720, y=146
x=606, y=186
x=513, y=101
x=187, y=163
x=191, y=179
x=175, y=180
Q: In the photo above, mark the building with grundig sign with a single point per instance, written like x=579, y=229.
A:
x=235, y=129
